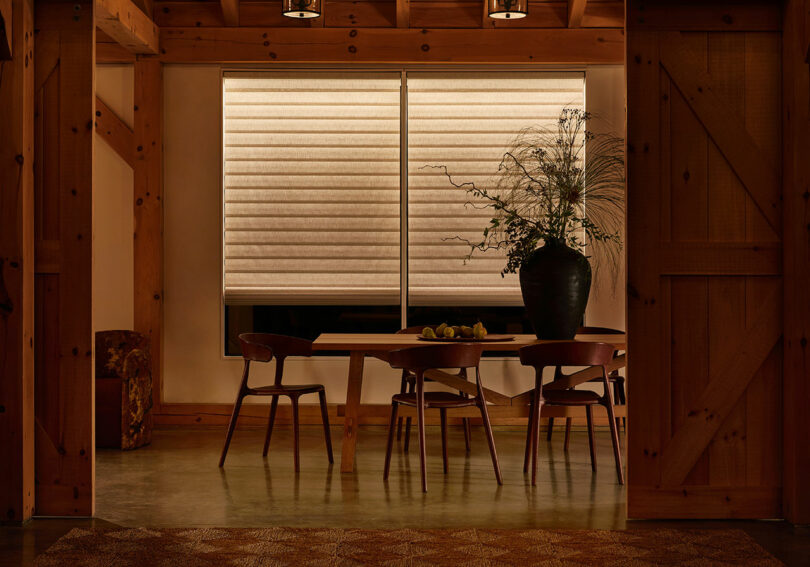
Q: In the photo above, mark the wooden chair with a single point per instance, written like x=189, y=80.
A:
x=408, y=384
x=262, y=347
x=417, y=360
x=616, y=379
x=569, y=353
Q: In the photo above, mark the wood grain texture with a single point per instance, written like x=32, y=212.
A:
x=230, y=12
x=148, y=211
x=128, y=25
x=733, y=372
x=705, y=16
x=64, y=344
x=115, y=132
x=380, y=342
x=710, y=260
x=403, y=13
x=796, y=194
x=17, y=267
x=377, y=45
x=726, y=128
x=576, y=10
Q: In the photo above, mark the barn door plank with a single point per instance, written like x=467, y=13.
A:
x=712, y=407
x=725, y=126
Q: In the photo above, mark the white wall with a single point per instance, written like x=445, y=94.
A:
x=113, y=221
x=195, y=371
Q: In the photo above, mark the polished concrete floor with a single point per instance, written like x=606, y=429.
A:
x=176, y=482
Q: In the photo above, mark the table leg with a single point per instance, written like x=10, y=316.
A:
x=351, y=418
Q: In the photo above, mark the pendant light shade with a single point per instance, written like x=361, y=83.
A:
x=301, y=8
x=507, y=9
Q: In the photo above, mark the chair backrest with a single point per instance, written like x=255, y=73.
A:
x=415, y=330
x=256, y=346
x=566, y=353
x=462, y=355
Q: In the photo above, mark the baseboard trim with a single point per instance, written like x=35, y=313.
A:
x=255, y=415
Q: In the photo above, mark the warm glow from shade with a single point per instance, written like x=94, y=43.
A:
x=507, y=9
x=301, y=8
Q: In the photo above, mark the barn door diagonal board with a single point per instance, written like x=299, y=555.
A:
x=725, y=127
x=723, y=392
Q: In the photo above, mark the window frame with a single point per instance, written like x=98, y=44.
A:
x=403, y=130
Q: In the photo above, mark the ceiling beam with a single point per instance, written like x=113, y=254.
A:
x=128, y=25
x=403, y=13
x=392, y=45
x=576, y=9
x=230, y=12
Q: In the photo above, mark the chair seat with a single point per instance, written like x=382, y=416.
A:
x=571, y=397
x=435, y=400
x=286, y=389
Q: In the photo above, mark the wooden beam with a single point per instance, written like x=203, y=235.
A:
x=128, y=25
x=726, y=128
x=146, y=6
x=576, y=9
x=796, y=260
x=5, y=30
x=148, y=205
x=115, y=132
x=720, y=259
x=64, y=388
x=380, y=45
x=17, y=268
x=403, y=13
x=704, y=502
x=726, y=385
x=230, y=12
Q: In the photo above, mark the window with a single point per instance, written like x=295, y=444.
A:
x=332, y=222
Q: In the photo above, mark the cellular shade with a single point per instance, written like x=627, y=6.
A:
x=466, y=122
x=312, y=188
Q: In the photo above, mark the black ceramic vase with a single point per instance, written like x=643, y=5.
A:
x=555, y=281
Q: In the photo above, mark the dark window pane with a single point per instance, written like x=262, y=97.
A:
x=307, y=321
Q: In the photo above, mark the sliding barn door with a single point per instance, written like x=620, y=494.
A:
x=63, y=174
x=704, y=260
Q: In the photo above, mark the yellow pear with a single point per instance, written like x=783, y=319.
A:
x=479, y=331
x=448, y=332
x=466, y=331
x=440, y=329
x=428, y=333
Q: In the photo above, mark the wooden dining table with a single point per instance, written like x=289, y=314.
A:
x=378, y=345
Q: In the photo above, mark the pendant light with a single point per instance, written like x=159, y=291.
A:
x=507, y=9
x=301, y=8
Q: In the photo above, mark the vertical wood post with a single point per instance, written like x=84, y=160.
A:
x=17, y=269
x=148, y=195
x=796, y=261
x=64, y=389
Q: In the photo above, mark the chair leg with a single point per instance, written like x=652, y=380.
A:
x=528, y=449
x=420, y=422
x=443, y=415
x=550, y=428
x=273, y=408
x=623, y=401
x=231, y=426
x=617, y=399
x=391, y=426
x=568, y=421
x=408, y=424
x=535, y=440
x=614, y=433
x=325, y=417
x=491, y=441
x=589, y=417
x=402, y=389
x=294, y=402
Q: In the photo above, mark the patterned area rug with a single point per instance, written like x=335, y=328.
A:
x=278, y=547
